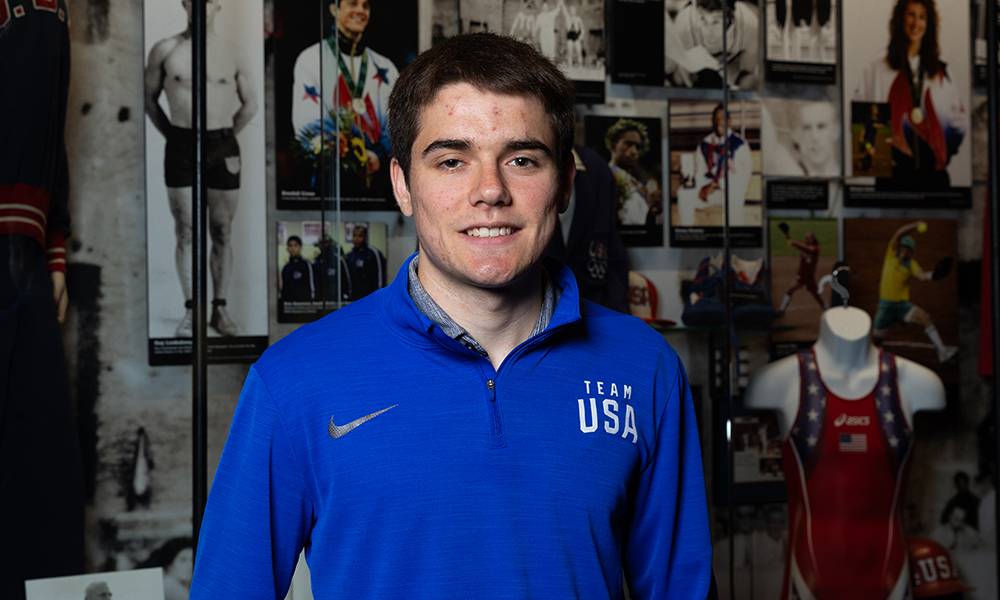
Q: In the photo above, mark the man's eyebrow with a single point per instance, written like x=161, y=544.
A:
x=446, y=145
x=529, y=144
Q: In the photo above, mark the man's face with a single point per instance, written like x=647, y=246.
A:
x=810, y=239
x=815, y=134
x=211, y=7
x=710, y=24
x=719, y=123
x=627, y=149
x=352, y=16
x=294, y=249
x=905, y=252
x=359, y=237
x=484, y=189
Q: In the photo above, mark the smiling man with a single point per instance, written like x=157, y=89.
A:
x=482, y=436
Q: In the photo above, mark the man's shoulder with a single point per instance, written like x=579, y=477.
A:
x=314, y=343
x=610, y=328
x=164, y=47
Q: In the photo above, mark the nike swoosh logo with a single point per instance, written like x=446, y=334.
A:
x=338, y=431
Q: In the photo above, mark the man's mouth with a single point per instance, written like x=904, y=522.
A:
x=489, y=232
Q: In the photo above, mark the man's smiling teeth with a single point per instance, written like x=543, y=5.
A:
x=489, y=232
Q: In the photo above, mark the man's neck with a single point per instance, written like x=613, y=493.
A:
x=497, y=318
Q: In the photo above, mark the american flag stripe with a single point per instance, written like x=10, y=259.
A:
x=853, y=442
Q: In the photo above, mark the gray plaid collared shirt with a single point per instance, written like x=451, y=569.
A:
x=436, y=314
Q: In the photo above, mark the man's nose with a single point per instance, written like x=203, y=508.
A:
x=491, y=185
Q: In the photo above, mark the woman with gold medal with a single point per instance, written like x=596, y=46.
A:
x=928, y=116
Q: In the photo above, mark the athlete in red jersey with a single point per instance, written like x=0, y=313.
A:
x=846, y=463
x=806, y=276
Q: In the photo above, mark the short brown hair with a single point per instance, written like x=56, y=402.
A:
x=489, y=62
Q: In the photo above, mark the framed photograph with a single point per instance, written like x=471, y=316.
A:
x=802, y=252
x=140, y=583
x=323, y=267
x=569, y=32
x=234, y=172
x=331, y=95
x=703, y=179
x=904, y=278
x=758, y=473
x=692, y=44
x=917, y=77
x=633, y=148
x=801, y=41
x=800, y=138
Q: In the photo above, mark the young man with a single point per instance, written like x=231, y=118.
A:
x=298, y=283
x=232, y=102
x=366, y=265
x=482, y=435
x=342, y=80
x=711, y=164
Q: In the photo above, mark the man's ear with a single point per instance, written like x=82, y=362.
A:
x=566, y=183
x=400, y=188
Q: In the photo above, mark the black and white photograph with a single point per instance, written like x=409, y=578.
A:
x=914, y=56
x=147, y=584
x=693, y=44
x=234, y=173
x=800, y=138
x=801, y=41
x=704, y=179
x=633, y=148
x=334, y=67
x=571, y=33
x=323, y=267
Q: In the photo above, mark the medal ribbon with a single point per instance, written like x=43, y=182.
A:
x=356, y=88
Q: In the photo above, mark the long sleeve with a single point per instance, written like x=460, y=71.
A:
x=666, y=545
x=259, y=510
x=307, y=91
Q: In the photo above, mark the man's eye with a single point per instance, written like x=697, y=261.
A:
x=451, y=163
x=522, y=161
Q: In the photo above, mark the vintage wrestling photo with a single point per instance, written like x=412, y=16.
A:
x=693, y=44
x=914, y=56
x=571, y=33
x=715, y=165
x=233, y=171
x=334, y=66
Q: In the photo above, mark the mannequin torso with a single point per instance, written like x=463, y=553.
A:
x=849, y=366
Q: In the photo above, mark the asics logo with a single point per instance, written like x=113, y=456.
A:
x=338, y=431
x=843, y=419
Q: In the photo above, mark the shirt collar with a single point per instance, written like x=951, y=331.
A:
x=439, y=317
